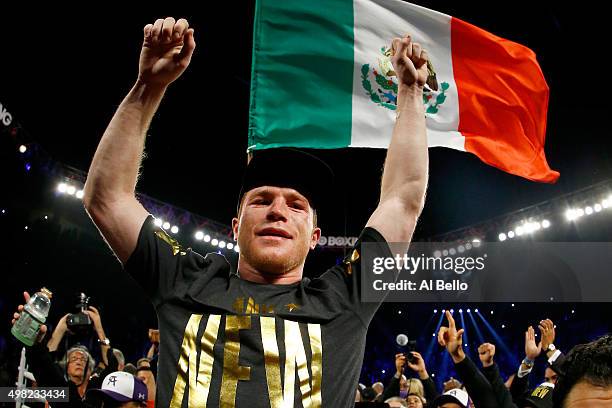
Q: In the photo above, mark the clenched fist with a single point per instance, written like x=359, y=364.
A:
x=486, y=351
x=409, y=61
x=166, y=51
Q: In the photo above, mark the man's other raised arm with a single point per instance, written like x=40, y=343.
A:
x=404, y=178
x=109, y=193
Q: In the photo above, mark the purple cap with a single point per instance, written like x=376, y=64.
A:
x=123, y=387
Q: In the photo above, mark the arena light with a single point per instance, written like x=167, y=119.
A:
x=588, y=210
x=206, y=238
x=79, y=194
x=236, y=249
x=174, y=229
x=510, y=234
x=71, y=190
x=476, y=310
x=597, y=207
x=61, y=187
x=606, y=203
x=452, y=251
x=158, y=222
x=166, y=225
x=435, y=311
x=469, y=311
x=570, y=214
x=214, y=242
x=468, y=246
x=230, y=246
x=545, y=224
x=503, y=326
x=222, y=244
x=199, y=235
x=460, y=310
x=579, y=212
x=23, y=149
x=502, y=236
x=461, y=249
x=519, y=230
x=437, y=253
x=445, y=252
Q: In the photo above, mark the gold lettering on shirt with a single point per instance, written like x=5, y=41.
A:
x=232, y=371
x=238, y=305
x=316, y=365
x=198, y=393
x=252, y=307
x=296, y=356
x=187, y=361
x=272, y=361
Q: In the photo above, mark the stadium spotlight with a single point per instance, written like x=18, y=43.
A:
x=214, y=242
x=174, y=229
x=22, y=149
x=199, y=235
x=206, y=238
x=502, y=237
x=166, y=225
x=79, y=194
x=545, y=224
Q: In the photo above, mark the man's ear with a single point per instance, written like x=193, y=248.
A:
x=314, y=238
x=235, y=223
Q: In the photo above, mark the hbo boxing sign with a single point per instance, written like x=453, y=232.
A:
x=337, y=241
x=5, y=116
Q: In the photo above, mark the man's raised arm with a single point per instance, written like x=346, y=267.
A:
x=109, y=193
x=405, y=174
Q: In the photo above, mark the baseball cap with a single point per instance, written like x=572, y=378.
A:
x=456, y=395
x=121, y=386
x=289, y=168
x=541, y=396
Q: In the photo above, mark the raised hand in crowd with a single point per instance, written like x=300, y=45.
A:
x=418, y=365
x=400, y=362
x=43, y=328
x=94, y=315
x=452, y=339
x=486, y=351
x=547, y=329
x=532, y=350
x=61, y=328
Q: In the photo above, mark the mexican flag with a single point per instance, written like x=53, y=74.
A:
x=320, y=80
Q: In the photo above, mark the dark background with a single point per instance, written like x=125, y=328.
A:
x=64, y=69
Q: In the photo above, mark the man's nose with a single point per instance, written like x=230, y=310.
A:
x=277, y=210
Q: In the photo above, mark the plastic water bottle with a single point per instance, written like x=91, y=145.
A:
x=34, y=314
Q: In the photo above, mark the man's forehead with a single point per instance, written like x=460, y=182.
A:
x=275, y=190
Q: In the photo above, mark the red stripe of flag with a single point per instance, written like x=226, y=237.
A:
x=503, y=100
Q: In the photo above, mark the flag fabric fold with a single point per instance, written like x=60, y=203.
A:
x=319, y=81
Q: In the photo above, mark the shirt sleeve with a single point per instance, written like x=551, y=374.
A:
x=346, y=278
x=161, y=266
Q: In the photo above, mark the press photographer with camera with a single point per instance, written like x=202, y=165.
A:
x=77, y=365
x=424, y=388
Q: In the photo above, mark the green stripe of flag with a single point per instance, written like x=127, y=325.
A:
x=302, y=74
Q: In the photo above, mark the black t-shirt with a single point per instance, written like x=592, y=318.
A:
x=229, y=342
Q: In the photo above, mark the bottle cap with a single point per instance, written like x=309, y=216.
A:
x=47, y=292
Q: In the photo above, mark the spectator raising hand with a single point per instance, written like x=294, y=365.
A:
x=400, y=361
x=532, y=351
x=43, y=328
x=486, y=351
x=418, y=365
x=452, y=339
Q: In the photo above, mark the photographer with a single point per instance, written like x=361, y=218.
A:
x=424, y=387
x=77, y=366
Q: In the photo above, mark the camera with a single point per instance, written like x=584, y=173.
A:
x=80, y=320
x=410, y=347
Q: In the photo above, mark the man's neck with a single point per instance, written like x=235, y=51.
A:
x=251, y=274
